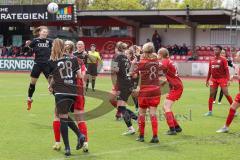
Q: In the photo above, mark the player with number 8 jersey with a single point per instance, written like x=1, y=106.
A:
x=149, y=94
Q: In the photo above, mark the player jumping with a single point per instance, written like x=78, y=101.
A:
x=42, y=48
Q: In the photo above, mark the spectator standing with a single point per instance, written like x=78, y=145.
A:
x=156, y=39
x=175, y=50
x=183, y=50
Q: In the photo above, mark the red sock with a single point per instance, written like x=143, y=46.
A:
x=210, y=103
x=229, y=98
x=230, y=117
x=154, y=122
x=83, y=129
x=114, y=103
x=56, y=130
x=175, y=122
x=141, y=124
x=118, y=113
x=170, y=119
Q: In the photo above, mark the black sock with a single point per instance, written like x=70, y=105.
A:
x=220, y=96
x=73, y=126
x=126, y=116
x=87, y=84
x=93, y=83
x=135, y=100
x=31, y=90
x=215, y=95
x=64, y=132
x=132, y=114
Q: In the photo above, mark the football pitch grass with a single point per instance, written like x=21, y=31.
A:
x=28, y=135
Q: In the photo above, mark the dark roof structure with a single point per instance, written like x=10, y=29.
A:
x=171, y=17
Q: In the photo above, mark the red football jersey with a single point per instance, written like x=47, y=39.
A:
x=218, y=68
x=170, y=71
x=149, y=72
x=80, y=81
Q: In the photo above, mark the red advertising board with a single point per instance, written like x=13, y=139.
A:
x=106, y=45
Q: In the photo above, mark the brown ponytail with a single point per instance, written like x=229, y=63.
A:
x=38, y=29
x=57, y=49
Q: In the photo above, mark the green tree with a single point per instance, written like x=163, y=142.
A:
x=81, y=4
x=201, y=4
x=115, y=5
x=150, y=4
x=167, y=4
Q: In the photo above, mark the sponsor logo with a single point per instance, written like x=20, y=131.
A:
x=16, y=64
x=45, y=45
x=65, y=13
x=216, y=66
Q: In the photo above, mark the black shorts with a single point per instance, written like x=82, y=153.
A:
x=39, y=68
x=125, y=92
x=92, y=69
x=64, y=103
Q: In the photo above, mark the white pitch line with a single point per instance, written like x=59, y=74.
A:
x=119, y=151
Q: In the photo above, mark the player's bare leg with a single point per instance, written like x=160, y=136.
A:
x=56, y=130
x=174, y=127
x=227, y=95
x=210, y=101
x=79, y=116
x=235, y=105
x=141, y=124
x=154, y=121
x=31, y=90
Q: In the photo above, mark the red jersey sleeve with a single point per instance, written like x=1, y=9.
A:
x=225, y=64
x=209, y=71
x=83, y=68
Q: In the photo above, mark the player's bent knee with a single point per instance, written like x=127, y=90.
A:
x=79, y=115
x=33, y=80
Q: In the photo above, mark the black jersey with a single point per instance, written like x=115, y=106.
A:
x=230, y=63
x=124, y=65
x=64, y=75
x=81, y=55
x=136, y=80
x=42, y=49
